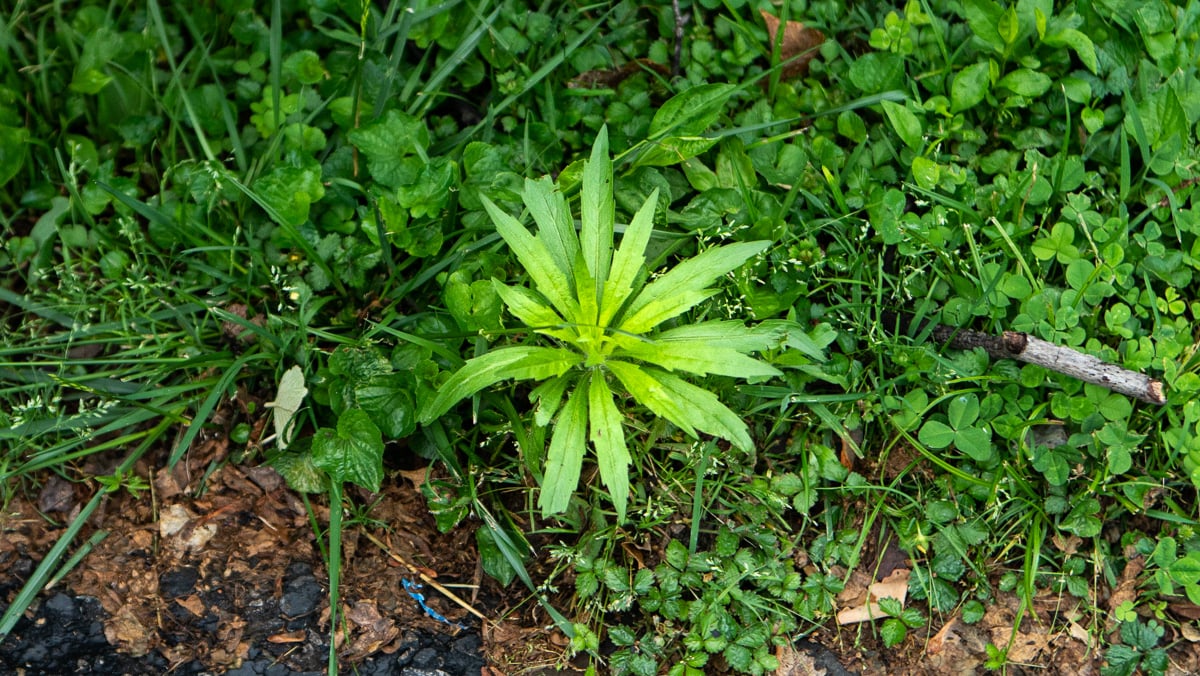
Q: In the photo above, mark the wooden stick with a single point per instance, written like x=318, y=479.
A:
x=426, y=579
x=1057, y=358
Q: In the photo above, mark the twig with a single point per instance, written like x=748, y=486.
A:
x=1057, y=358
x=680, y=21
x=428, y=580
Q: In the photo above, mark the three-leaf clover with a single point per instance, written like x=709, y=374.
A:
x=600, y=308
x=962, y=432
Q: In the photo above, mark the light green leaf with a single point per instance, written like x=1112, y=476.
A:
x=597, y=212
x=689, y=407
x=12, y=151
x=609, y=441
x=548, y=396
x=1025, y=82
x=673, y=150
x=692, y=111
x=289, y=191
x=556, y=226
x=390, y=144
x=685, y=285
x=906, y=124
x=288, y=399
x=975, y=442
x=1079, y=42
x=969, y=88
x=529, y=307
x=388, y=400
x=936, y=434
x=731, y=334
x=536, y=259
x=628, y=261
x=698, y=357
x=517, y=363
x=353, y=453
x=565, y=455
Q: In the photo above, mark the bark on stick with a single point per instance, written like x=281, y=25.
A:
x=1065, y=360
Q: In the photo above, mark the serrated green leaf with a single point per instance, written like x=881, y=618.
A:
x=391, y=144
x=388, y=400
x=628, y=261
x=290, y=191
x=516, y=363
x=352, y=453
x=673, y=150
x=553, y=283
x=565, y=455
x=731, y=334
x=529, y=307
x=893, y=632
x=689, y=407
x=299, y=471
x=597, y=211
x=698, y=357
x=556, y=226
x=682, y=287
x=548, y=396
x=608, y=438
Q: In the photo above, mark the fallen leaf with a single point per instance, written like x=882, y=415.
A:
x=799, y=45
x=894, y=586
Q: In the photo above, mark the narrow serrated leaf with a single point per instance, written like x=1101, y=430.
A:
x=597, y=211
x=628, y=261
x=553, y=283
x=730, y=334
x=556, y=227
x=564, y=458
x=528, y=307
x=516, y=363
x=685, y=285
x=700, y=358
x=689, y=407
x=548, y=396
x=609, y=441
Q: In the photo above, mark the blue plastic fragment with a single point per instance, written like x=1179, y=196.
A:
x=411, y=588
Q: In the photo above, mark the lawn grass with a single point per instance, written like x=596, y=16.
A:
x=195, y=202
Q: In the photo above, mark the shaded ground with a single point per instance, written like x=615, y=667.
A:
x=233, y=582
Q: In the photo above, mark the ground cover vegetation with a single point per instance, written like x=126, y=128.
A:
x=714, y=241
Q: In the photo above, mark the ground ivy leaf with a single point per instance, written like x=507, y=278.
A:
x=352, y=453
x=388, y=142
x=290, y=191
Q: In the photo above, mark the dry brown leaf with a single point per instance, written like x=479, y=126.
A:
x=894, y=586
x=799, y=43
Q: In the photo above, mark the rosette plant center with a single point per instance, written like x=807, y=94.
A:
x=600, y=310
